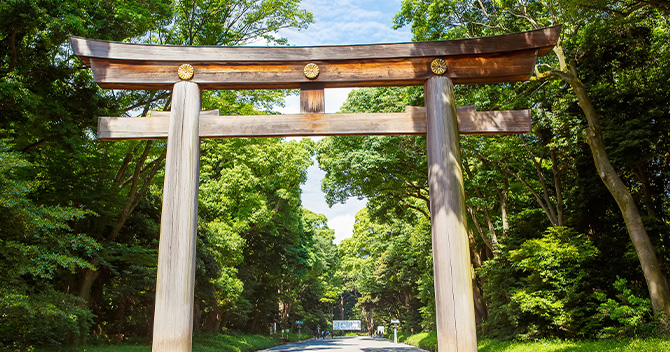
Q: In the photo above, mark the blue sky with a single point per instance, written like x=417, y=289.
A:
x=338, y=22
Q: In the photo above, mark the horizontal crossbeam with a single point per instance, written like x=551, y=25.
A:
x=411, y=122
x=511, y=67
x=504, y=58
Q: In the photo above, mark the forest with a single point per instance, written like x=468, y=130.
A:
x=567, y=225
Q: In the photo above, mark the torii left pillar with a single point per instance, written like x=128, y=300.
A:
x=173, y=315
x=454, y=305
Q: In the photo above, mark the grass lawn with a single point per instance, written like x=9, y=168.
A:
x=425, y=340
x=428, y=341
x=201, y=343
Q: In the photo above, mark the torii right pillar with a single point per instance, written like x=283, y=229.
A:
x=454, y=305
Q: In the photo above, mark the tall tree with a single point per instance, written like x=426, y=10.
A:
x=444, y=19
x=49, y=103
x=204, y=22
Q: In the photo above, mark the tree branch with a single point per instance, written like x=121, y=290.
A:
x=538, y=198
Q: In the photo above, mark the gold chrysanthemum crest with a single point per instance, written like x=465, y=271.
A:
x=438, y=66
x=185, y=72
x=311, y=71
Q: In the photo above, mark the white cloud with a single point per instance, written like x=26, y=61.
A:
x=349, y=22
x=291, y=105
x=343, y=226
x=340, y=216
x=335, y=97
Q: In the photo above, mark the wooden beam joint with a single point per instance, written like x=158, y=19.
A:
x=312, y=99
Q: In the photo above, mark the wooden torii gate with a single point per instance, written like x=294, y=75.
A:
x=189, y=70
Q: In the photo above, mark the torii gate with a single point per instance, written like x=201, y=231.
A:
x=189, y=70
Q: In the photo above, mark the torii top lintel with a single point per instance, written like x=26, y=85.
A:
x=505, y=58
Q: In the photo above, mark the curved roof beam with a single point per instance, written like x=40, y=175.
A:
x=504, y=58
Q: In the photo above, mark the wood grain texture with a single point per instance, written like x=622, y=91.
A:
x=541, y=39
x=173, y=315
x=166, y=114
x=312, y=100
x=477, y=60
x=412, y=122
x=454, y=304
x=470, y=69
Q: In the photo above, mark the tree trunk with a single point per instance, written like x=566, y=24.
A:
x=557, y=187
x=653, y=274
x=213, y=321
x=641, y=175
x=480, y=307
x=86, y=284
x=481, y=311
x=504, y=196
x=372, y=321
x=543, y=202
x=197, y=316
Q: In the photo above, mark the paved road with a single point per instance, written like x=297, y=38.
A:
x=348, y=344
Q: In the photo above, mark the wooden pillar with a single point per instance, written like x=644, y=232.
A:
x=454, y=304
x=173, y=316
x=312, y=99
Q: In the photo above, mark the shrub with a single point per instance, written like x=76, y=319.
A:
x=541, y=289
x=41, y=319
x=629, y=315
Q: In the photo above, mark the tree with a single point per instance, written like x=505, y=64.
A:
x=548, y=287
x=256, y=239
x=447, y=19
x=206, y=22
x=386, y=263
x=49, y=103
x=37, y=246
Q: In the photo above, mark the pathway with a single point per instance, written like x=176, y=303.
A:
x=348, y=344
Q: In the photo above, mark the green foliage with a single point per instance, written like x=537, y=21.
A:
x=384, y=264
x=357, y=166
x=631, y=315
x=618, y=48
x=202, y=342
x=423, y=340
x=232, y=343
x=83, y=215
x=80, y=217
x=46, y=317
x=259, y=251
x=213, y=22
x=547, y=280
x=633, y=345
x=428, y=341
x=36, y=245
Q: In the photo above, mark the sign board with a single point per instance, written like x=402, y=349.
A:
x=346, y=325
x=395, y=321
x=298, y=322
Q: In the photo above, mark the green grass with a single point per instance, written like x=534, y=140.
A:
x=425, y=340
x=293, y=336
x=428, y=341
x=230, y=343
x=628, y=345
x=201, y=343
